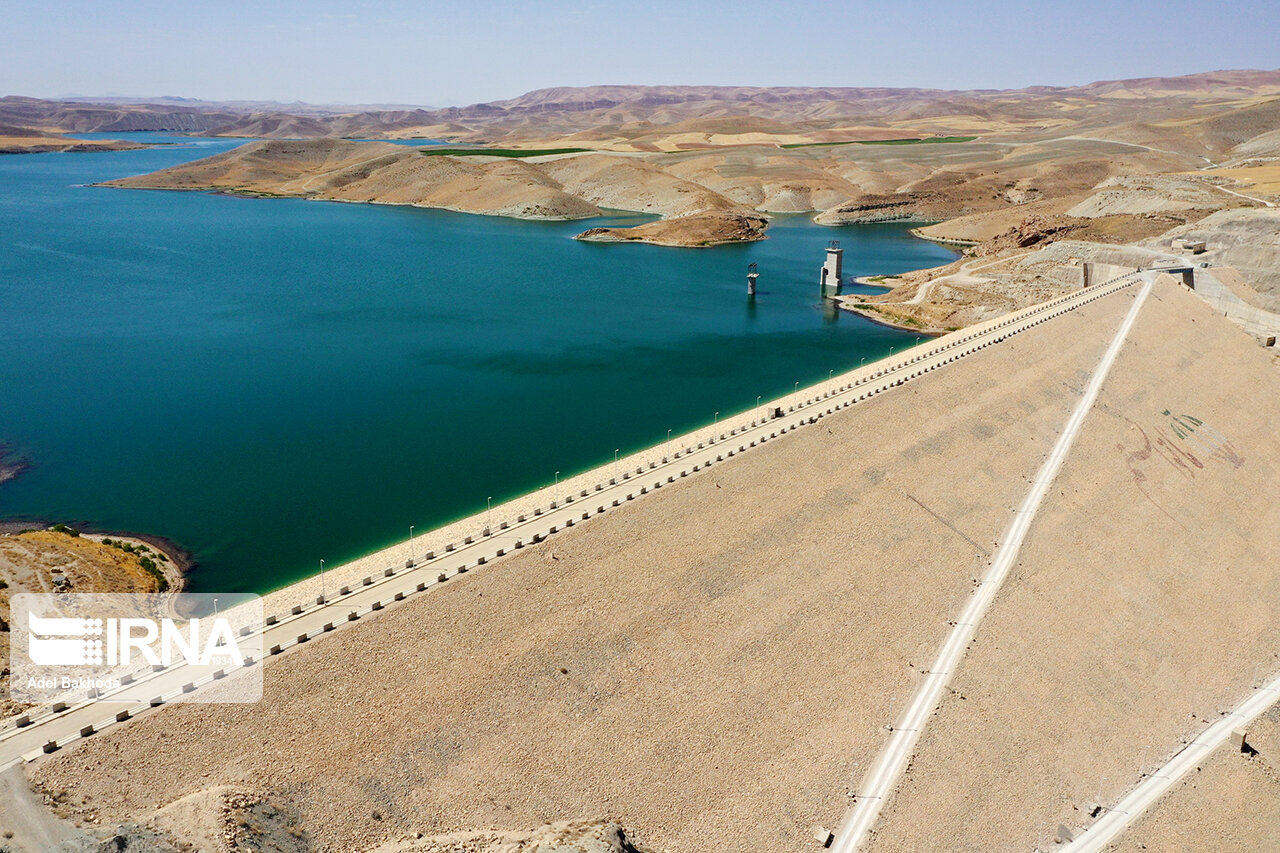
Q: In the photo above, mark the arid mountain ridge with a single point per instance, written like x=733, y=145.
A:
x=716, y=162
x=580, y=107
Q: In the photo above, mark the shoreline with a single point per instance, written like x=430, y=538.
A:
x=881, y=320
x=180, y=561
x=944, y=241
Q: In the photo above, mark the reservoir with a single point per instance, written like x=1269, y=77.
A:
x=272, y=382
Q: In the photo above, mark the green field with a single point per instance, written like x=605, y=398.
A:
x=497, y=152
x=909, y=141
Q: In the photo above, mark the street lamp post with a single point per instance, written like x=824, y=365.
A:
x=615, y=463
x=488, y=522
x=322, y=595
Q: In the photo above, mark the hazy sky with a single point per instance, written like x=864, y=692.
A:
x=443, y=52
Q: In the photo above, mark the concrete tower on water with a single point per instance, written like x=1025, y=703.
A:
x=832, y=270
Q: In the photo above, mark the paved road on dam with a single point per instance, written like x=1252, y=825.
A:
x=317, y=606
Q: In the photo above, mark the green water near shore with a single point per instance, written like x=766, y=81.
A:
x=272, y=382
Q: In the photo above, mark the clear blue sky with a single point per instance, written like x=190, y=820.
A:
x=443, y=52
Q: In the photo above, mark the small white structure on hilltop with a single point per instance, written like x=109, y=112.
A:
x=1183, y=244
x=833, y=269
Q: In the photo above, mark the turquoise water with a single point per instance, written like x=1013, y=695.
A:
x=272, y=382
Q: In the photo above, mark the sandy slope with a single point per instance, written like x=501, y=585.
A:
x=1230, y=805
x=1143, y=604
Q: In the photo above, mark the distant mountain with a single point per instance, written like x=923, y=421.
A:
x=610, y=111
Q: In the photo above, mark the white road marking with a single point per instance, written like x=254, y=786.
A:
x=1131, y=807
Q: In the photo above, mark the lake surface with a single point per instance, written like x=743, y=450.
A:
x=272, y=382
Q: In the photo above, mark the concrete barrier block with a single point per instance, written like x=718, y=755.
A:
x=501, y=551
x=442, y=577
x=552, y=530
x=219, y=673
x=462, y=570
x=296, y=609
x=1237, y=740
x=377, y=605
x=58, y=707
x=408, y=564
x=346, y=590
x=189, y=687
x=431, y=555
x=353, y=616
x=274, y=650
x=480, y=561
x=519, y=543
x=537, y=510
x=569, y=522
x=399, y=596
x=50, y=746
x=466, y=540
x=320, y=600
x=449, y=547
x=121, y=716
x=503, y=526
x=585, y=516
x=271, y=620
x=388, y=573
x=421, y=586
x=302, y=638
x=823, y=836
x=22, y=720
x=368, y=581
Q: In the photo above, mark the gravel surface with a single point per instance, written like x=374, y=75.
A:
x=1145, y=603
x=1232, y=805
